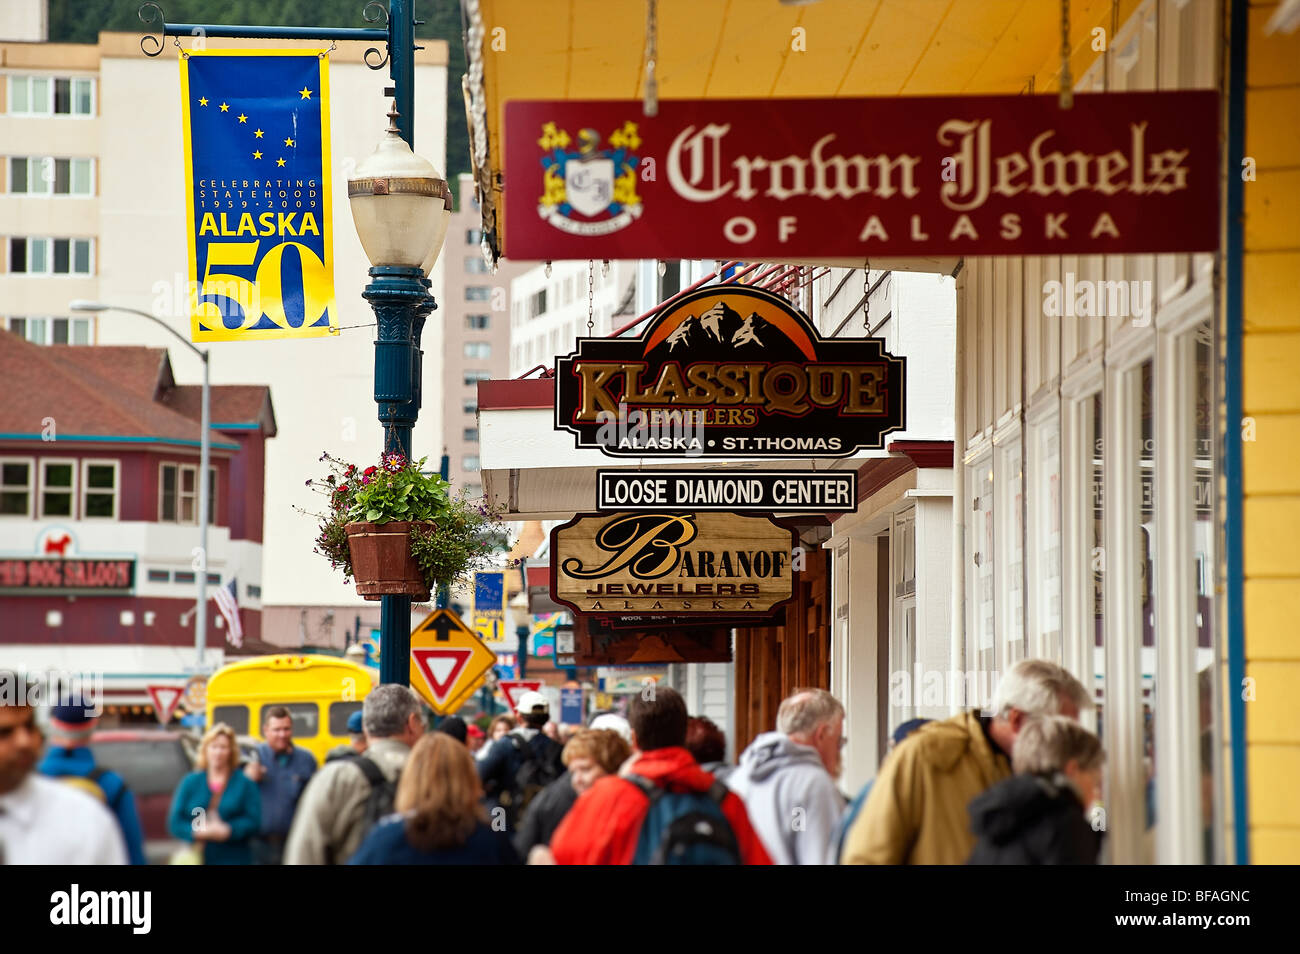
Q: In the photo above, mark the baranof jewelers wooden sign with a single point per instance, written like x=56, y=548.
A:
x=672, y=563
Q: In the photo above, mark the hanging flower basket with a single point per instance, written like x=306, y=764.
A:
x=398, y=531
x=382, y=563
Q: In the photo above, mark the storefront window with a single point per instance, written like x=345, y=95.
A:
x=1045, y=537
x=1011, y=549
x=1098, y=564
x=982, y=651
x=1204, y=543
x=1147, y=591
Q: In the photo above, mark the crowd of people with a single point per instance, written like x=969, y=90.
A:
x=1012, y=787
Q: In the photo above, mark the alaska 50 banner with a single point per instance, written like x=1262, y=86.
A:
x=849, y=178
x=257, y=194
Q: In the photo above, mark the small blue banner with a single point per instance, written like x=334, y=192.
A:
x=571, y=709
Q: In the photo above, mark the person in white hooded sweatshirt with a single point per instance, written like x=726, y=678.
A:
x=787, y=779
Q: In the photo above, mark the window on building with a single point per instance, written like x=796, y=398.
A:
x=253, y=591
x=99, y=483
x=51, y=95
x=51, y=330
x=478, y=293
x=474, y=265
x=471, y=406
x=477, y=322
x=536, y=303
x=473, y=236
x=50, y=175
x=478, y=349
x=43, y=256
x=178, y=493
x=469, y=464
x=16, y=486
x=475, y=376
x=470, y=434
x=58, y=488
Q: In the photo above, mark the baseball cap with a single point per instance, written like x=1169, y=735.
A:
x=532, y=701
x=475, y=732
x=614, y=722
x=354, y=723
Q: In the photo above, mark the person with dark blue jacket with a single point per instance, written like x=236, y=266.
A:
x=218, y=806
x=68, y=758
x=440, y=816
x=281, y=771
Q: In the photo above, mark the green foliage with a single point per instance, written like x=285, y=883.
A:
x=452, y=536
x=81, y=21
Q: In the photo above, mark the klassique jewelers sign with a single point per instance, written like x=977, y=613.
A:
x=1119, y=173
x=730, y=371
x=672, y=563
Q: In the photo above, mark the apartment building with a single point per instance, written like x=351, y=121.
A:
x=91, y=187
x=474, y=312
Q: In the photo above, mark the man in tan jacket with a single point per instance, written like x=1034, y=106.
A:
x=917, y=810
x=331, y=818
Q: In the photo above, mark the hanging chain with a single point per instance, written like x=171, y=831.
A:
x=650, y=105
x=866, y=296
x=591, y=297
x=1067, y=83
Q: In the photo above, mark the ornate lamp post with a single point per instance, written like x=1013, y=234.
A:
x=401, y=207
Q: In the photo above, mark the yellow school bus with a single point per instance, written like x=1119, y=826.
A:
x=320, y=693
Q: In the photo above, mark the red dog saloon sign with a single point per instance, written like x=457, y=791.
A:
x=847, y=178
x=730, y=371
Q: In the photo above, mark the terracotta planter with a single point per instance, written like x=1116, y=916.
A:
x=382, y=564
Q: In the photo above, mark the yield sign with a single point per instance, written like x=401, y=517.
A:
x=448, y=661
x=164, y=700
x=515, y=690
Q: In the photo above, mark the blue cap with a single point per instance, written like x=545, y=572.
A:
x=354, y=723
x=73, y=710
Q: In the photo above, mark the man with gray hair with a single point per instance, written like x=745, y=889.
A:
x=787, y=778
x=347, y=796
x=917, y=810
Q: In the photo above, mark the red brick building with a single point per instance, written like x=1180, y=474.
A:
x=99, y=534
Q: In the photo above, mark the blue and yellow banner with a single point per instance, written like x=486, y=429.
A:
x=490, y=605
x=257, y=186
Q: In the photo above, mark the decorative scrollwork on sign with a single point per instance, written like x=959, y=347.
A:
x=150, y=39
x=380, y=12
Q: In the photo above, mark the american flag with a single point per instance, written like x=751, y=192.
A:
x=228, y=603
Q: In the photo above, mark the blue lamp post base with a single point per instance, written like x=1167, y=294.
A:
x=401, y=302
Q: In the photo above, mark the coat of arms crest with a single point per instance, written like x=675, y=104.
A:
x=590, y=189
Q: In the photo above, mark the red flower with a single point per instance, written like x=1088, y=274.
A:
x=343, y=489
x=369, y=470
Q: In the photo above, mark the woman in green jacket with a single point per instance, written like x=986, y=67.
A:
x=217, y=806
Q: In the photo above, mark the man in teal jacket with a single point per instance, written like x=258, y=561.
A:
x=69, y=759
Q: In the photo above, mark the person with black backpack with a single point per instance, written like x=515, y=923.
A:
x=347, y=797
x=661, y=808
x=520, y=764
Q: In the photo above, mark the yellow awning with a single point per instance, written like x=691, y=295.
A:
x=757, y=49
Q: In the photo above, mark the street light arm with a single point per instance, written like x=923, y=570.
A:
x=95, y=306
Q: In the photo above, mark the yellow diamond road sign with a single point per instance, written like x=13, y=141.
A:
x=448, y=661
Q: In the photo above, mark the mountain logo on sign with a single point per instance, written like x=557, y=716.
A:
x=441, y=668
